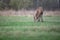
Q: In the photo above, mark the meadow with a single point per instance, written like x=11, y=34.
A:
x=24, y=28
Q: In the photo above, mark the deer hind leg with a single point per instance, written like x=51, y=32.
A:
x=41, y=18
x=38, y=20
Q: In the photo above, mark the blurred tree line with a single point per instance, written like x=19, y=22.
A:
x=29, y=4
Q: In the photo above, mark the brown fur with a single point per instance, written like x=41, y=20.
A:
x=38, y=15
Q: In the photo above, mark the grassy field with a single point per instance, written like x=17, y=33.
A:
x=24, y=28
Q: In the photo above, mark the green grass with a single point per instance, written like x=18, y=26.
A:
x=24, y=28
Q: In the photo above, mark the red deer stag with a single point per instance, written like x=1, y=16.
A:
x=38, y=15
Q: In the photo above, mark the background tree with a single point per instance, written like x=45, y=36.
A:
x=30, y=4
